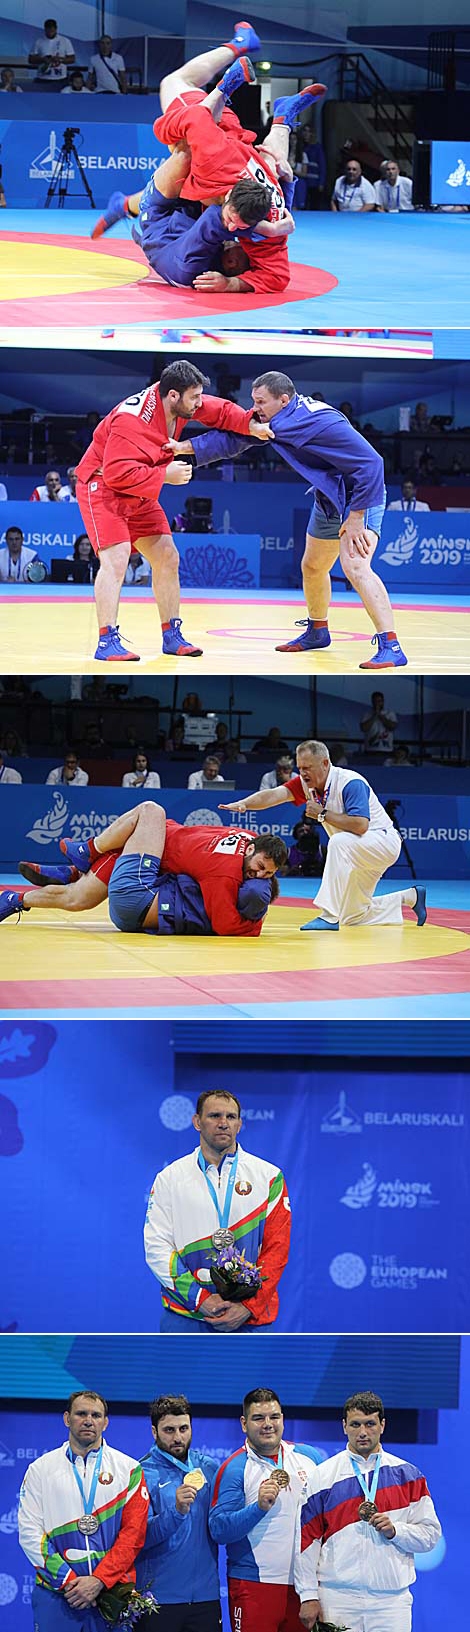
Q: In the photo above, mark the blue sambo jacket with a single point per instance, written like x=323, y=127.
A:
x=179, y=1560
x=321, y=445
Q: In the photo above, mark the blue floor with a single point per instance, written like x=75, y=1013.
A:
x=398, y=271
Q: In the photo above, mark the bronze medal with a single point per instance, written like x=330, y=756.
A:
x=367, y=1511
x=281, y=1477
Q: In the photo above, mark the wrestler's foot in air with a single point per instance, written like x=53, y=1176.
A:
x=389, y=654
x=313, y=639
x=174, y=643
x=110, y=648
x=239, y=73
x=288, y=109
x=78, y=853
x=42, y=876
x=116, y=210
x=420, y=909
x=320, y=923
x=244, y=39
x=11, y=901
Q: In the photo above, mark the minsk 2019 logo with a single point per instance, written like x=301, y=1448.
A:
x=399, y=551
x=44, y=166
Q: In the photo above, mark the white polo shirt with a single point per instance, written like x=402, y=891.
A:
x=353, y=195
x=397, y=198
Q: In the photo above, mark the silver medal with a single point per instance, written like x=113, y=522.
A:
x=88, y=1524
x=221, y=1239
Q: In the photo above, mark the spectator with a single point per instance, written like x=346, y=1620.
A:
x=283, y=769
x=93, y=745
x=3, y=492
x=85, y=563
x=378, y=726
x=8, y=81
x=219, y=744
x=52, y=54
x=76, y=85
x=311, y=170
x=210, y=772
x=52, y=489
x=107, y=68
x=70, y=772
x=393, y=193
x=72, y=481
x=306, y=857
x=420, y=420
x=232, y=754
x=401, y=756
x=408, y=499
x=141, y=776
x=83, y=434
x=138, y=571
x=175, y=743
x=352, y=191
x=7, y=774
x=273, y=743
x=340, y=756
x=429, y=469
x=12, y=745
x=15, y=558
x=191, y=704
x=347, y=409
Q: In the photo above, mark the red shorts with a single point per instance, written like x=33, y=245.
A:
x=220, y=154
x=256, y=1604
x=103, y=866
x=110, y=519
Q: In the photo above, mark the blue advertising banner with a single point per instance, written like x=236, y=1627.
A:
x=450, y=172
x=111, y=156
x=382, y=1163
x=33, y=818
x=424, y=551
x=207, y=560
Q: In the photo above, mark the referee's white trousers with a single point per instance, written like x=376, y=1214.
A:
x=352, y=869
x=367, y=1611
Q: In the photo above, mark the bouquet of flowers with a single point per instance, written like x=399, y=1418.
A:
x=327, y=1626
x=233, y=1276
x=123, y=1604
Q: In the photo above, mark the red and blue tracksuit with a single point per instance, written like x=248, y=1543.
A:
x=261, y=1546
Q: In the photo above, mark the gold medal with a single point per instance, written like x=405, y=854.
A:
x=196, y=1478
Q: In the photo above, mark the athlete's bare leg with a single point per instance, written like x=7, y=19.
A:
x=163, y=556
x=140, y=831
x=195, y=74
x=88, y=891
x=368, y=586
x=276, y=148
x=109, y=581
x=319, y=557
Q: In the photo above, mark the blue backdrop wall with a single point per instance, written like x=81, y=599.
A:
x=440, y=1591
x=377, y=1163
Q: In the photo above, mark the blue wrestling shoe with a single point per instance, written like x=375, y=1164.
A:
x=288, y=109
x=78, y=853
x=420, y=909
x=41, y=876
x=110, y=648
x=10, y=902
x=313, y=640
x=320, y=923
x=174, y=643
x=239, y=73
x=244, y=39
x=389, y=654
x=116, y=210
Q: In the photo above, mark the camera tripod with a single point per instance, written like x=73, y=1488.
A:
x=59, y=185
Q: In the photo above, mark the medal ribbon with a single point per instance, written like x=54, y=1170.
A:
x=88, y=1501
x=370, y=1492
x=223, y=1214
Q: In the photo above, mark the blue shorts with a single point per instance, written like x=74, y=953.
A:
x=176, y=246
x=323, y=525
x=132, y=888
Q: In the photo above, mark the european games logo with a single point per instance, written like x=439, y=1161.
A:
x=399, y=551
x=8, y=1590
x=348, y=1270
x=203, y=818
x=176, y=1112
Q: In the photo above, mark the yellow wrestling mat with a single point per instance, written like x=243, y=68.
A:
x=47, y=269
x=91, y=965
x=41, y=633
